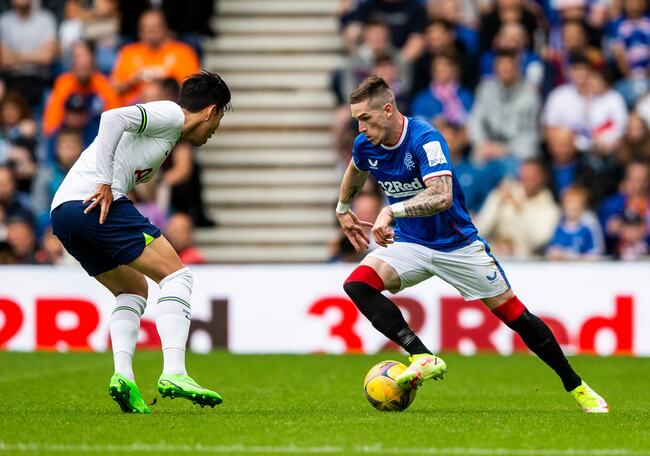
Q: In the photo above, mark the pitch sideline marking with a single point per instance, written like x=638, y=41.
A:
x=291, y=449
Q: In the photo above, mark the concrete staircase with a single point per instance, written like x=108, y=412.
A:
x=270, y=173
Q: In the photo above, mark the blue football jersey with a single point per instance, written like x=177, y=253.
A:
x=401, y=170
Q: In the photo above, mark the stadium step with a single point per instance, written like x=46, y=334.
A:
x=270, y=174
x=275, y=177
x=289, y=80
x=238, y=44
x=273, y=62
x=277, y=7
x=265, y=216
x=282, y=100
x=267, y=139
x=266, y=254
x=261, y=195
x=283, y=159
x=265, y=235
x=281, y=25
x=282, y=119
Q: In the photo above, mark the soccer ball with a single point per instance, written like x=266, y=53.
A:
x=381, y=388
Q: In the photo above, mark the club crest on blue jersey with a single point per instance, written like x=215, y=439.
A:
x=408, y=161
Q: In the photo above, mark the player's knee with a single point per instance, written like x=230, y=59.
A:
x=510, y=310
x=182, y=277
x=363, y=279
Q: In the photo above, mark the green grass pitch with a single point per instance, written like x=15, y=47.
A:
x=282, y=404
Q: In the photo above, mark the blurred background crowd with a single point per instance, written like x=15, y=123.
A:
x=62, y=63
x=545, y=106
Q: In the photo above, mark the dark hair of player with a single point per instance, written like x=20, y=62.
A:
x=203, y=89
x=375, y=89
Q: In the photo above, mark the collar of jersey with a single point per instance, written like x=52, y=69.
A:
x=405, y=126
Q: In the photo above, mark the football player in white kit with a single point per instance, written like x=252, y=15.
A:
x=433, y=236
x=117, y=245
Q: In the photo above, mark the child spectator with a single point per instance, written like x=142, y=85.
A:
x=576, y=237
x=633, y=242
x=180, y=233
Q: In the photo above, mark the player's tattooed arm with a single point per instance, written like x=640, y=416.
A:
x=435, y=198
x=352, y=183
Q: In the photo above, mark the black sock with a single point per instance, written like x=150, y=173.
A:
x=384, y=316
x=539, y=338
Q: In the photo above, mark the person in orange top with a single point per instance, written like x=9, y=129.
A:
x=156, y=56
x=83, y=79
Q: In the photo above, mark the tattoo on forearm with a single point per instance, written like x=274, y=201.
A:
x=352, y=192
x=433, y=199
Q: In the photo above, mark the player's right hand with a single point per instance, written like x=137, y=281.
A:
x=104, y=197
x=354, y=229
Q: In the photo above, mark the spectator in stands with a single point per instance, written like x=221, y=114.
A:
x=23, y=164
x=28, y=48
x=631, y=39
x=468, y=175
x=587, y=106
x=636, y=141
x=440, y=37
x=130, y=13
x=358, y=65
x=512, y=37
x=444, y=97
x=78, y=114
x=190, y=21
x=406, y=18
x=98, y=22
x=569, y=167
x=388, y=69
x=633, y=237
x=574, y=41
x=14, y=204
x=180, y=233
x=69, y=145
x=463, y=16
x=506, y=11
x=51, y=251
x=503, y=123
x=576, y=237
x=633, y=196
x=16, y=124
x=519, y=217
x=20, y=237
x=84, y=80
x=154, y=57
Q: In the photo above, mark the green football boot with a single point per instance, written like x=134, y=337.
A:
x=182, y=385
x=423, y=367
x=127, y=395
x=588, y=400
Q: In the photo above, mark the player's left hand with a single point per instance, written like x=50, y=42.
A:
x=104, y=197
x=382, y=230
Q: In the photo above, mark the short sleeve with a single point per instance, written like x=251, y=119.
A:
x=357, y=159
x=160, y=118
x=589, y=245
x=433, y=157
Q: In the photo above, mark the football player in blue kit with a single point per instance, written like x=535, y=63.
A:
x=433, y=235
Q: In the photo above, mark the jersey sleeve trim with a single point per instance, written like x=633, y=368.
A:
x=143, y=123
x=436, y=174
x=357, y=168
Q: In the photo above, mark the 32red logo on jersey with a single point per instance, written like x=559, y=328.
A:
x=141, y=174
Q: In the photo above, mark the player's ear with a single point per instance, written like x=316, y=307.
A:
x=211, y=111
x=388, y=110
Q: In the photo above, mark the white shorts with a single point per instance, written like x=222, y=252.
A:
x=472, y=269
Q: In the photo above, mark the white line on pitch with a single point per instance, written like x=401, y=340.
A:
x=292, y=449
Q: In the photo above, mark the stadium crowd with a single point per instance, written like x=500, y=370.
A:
x=545, y=105
x=62, y=63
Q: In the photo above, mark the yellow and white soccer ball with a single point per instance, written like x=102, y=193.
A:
x=381, y=388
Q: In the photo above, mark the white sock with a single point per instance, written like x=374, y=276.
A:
x=124, y=328
x=173, y=318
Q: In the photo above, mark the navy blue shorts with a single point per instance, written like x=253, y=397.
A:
x=100, y=248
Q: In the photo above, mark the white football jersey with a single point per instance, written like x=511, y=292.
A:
x=130, y=146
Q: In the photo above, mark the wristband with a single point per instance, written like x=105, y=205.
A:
x=342, y=208
x=398, y=210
